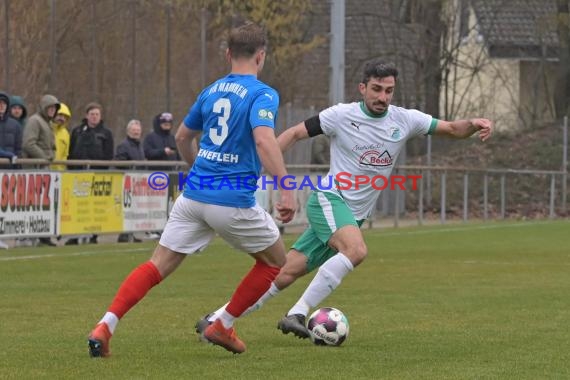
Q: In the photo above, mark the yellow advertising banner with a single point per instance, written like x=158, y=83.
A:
x=91, y=203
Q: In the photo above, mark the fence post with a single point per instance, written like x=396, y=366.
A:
x=552, y=192
x=203, y=44
x=167, y=54
x=421, y=200
x=443, y=190
x=133, y=6
x=52, y=47
x=465, y=197
x=94, y=51
x=485, y=200
x=503, y=194
x=397, y=207
x=564, y=162
x=428, y=176
x=7, y=45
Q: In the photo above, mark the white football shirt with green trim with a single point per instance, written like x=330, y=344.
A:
x=362, y=143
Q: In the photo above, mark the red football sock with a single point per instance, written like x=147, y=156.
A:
x=134, y=288
x=252, y=287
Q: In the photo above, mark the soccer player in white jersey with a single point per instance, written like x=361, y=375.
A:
x=366, y=138
x=233, y=119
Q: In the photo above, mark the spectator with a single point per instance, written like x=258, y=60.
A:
x=59, y=126
x=18, y=110
x=159, y=145
x=91, y=140
x=130, y=150
x=10, y=131
x=10, y=137
x=38, y=140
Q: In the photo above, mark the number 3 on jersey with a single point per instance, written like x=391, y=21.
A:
x=221, y=106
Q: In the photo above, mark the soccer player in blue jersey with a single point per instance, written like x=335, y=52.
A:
x=233, y=120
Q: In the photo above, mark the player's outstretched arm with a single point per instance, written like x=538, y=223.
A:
x=272, y=160
x=288, y=138
x=187, y=143
x=461, y=129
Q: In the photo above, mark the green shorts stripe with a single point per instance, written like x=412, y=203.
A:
x=327, y=213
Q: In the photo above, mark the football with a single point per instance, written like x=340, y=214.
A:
x=328, y=327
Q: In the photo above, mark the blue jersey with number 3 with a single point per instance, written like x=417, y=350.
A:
x=227, y=166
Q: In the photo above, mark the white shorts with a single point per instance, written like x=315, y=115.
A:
x=192, y=225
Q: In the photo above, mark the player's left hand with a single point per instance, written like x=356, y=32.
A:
x=485, y=127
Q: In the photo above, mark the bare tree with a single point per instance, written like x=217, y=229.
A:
x=285, y=23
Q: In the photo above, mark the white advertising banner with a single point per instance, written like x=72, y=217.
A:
x=28, y=203
x=144, y=208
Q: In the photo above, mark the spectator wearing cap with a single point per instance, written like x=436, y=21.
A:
x=159, y=145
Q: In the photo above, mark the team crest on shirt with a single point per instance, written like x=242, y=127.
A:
x=264, y=114
x=375, y=158
x=394, y=132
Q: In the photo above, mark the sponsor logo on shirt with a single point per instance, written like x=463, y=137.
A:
x=394, y=132
x=355, y=125
x=265, y=114
x=362, y=148
x=375, y=158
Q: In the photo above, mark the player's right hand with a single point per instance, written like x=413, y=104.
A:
x=286, y=206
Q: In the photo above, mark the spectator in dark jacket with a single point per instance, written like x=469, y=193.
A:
x=130, y=150
x=160, y=145
x=18, y=110
x=10, y=137
x=10, y=131
x=91, y=140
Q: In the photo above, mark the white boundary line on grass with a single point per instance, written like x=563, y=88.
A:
x=401, y=233
x=84, y=253
x=467, y=228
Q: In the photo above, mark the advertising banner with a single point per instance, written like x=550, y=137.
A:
x=91, y=203
x=144, y=208
x=28, y=204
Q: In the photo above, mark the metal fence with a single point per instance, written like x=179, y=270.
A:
x=457, y=193
x=464, y=194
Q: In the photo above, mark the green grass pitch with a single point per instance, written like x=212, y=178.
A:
x=475, y=301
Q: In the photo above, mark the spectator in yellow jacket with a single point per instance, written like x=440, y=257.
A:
x=59, y=125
